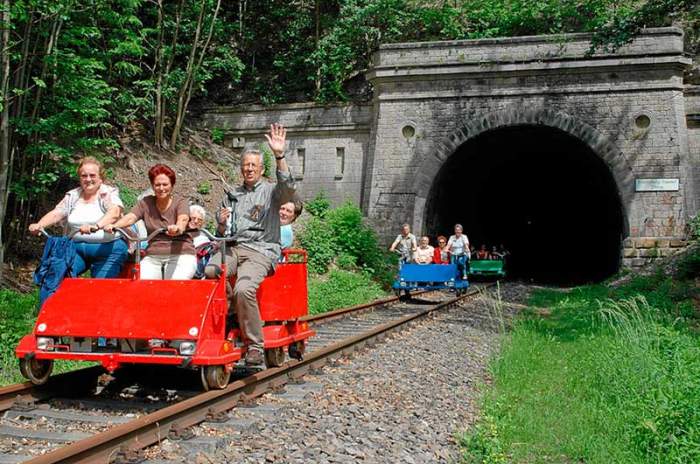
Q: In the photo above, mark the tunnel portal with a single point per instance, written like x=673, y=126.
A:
x=540, y=192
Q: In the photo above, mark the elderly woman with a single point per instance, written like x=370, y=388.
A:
x=198, y=217
x=458, y=246
x=289, y=212
x=88, y=209
x=171, y=254
x=424, y=252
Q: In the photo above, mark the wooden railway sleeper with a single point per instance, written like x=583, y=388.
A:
x=24, y=404
x=127, y=455
x=217, y=416
x=178, y=432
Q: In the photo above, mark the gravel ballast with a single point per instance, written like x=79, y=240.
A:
x=405, y=400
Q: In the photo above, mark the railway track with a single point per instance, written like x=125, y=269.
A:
x=64, y=423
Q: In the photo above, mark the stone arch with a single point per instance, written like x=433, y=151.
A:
x=594, y=139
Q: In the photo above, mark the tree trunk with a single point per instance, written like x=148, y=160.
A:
x=158, y=67
x=4, y=119
x=161, y=108
x=317, y=39
x=193, y=66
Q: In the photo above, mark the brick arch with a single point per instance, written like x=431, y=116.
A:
x=594, y=139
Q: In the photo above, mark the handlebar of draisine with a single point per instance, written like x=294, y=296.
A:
x=124, y=233
x=222, y=240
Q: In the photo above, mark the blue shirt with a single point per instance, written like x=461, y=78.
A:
x=286, y=236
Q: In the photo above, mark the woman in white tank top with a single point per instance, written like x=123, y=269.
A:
x=87, y=209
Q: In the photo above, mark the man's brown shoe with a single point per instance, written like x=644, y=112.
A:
x=255, y=359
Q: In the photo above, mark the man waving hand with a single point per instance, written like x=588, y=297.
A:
x=250, y=214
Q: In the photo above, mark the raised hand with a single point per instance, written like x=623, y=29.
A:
x=276, y=138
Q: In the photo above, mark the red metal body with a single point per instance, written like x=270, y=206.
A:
x=126, y=320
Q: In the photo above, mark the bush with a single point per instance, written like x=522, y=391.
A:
x=319, y=206
x=694, y=228
x=217, y=136
x=689, y=266
x=204, y=188
x=268, y=162
x=319, y=241
x=341, y=236
x=128, y=195
x=354, y=237
x=340, y=289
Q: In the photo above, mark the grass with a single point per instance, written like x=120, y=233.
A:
x=341, y=288
x=16, y=319
x=611, y=375
x=17, y=314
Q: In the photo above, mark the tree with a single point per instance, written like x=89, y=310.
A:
x=5, y=161
x=197, y=54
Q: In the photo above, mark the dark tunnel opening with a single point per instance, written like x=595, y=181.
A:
x=543, y=194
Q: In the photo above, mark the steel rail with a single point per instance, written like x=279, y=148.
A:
x=152, y=428
x=27, y=391
x=338, y=313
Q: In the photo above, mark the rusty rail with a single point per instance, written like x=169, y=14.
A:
x=338, y=313
x=128, y=438
x=29, y=392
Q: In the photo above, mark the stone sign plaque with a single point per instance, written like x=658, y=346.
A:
x=657, y=185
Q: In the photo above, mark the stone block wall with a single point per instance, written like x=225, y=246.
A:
x=640, y=251
x=692, y=110
x=326, y=144
x=449, y=92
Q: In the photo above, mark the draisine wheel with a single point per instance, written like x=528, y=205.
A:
x=36, y=370
x=274, y=357
x=214, y=377
x=296, y=350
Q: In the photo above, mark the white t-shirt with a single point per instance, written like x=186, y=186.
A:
x=87, y=213
x=424, y=255
x=458, y=246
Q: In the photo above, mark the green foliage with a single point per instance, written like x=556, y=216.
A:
x=341, y=236
x=318, y=239
x=346, y=261
x=319, y=206
x=298, y=64
x=357, y=239
x=269, y=166
x=204, y=188
x=340, y=289
x=128, y=195
x=82, y=72
x=217, y=135
x=16, y=319
x=694, y=228
x=482, y=444
x=608, y=375
x=689, y=266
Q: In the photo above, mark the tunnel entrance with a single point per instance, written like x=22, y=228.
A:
x=542, y=193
